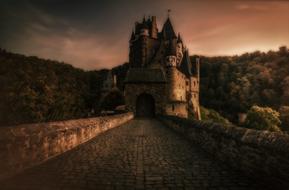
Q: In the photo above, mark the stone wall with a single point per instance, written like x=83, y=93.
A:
x=26, y=145
x=156, y=90
x=179, y=109
x=259, y=154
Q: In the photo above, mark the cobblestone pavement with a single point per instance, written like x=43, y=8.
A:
x=141, y=154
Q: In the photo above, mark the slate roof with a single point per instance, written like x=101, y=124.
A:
x=145, y=75
x=171, y=49
x=186, y=65
x=168, y=30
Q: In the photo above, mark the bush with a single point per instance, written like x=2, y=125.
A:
x=263, y=118
x=212, y=115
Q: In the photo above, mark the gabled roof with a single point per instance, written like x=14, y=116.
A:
x=168, y=30
x=186, y=65
x=145, y=75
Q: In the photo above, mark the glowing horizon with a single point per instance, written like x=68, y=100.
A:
x=95, y=34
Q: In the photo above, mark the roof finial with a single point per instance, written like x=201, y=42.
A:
x=169, y=11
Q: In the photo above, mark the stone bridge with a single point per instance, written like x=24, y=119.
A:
x=162, y=153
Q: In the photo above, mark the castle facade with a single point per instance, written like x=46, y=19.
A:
x=161, y=78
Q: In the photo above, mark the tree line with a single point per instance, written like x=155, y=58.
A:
x=39, y=90
x=233, y=84
x=36, y=90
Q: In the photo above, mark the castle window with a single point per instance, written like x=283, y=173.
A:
x=173, y=107
x=194, y=83
x=187, y=83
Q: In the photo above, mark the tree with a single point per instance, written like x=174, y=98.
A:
x=212, y=115
x=263, y=118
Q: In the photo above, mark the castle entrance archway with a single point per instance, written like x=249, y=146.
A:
x=145, y=105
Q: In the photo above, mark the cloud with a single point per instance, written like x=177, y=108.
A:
x=245, y=7
x=94, y=34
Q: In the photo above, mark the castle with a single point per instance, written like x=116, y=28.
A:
x=161, y=78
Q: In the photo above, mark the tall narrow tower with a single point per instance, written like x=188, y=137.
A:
x=198, y=68
x=172, y=72
x=154, y=28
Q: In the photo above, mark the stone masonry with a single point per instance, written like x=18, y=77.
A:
x=141, y=154
x=27, y=145
x=259, y=154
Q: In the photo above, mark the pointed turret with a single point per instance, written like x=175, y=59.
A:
x=198, y=68
x=179, y=39
x=186, y=65
x=171, y=50
x=132, y=37
x=168, y=30
x=144, y=19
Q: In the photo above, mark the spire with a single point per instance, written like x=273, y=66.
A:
x=149, y=18
x=198, y=68
x=144, y=19
x=169, y=11
x=186, y=66
x=168, y=30
x=144, y=23
x=132, y=35
x=171, y=49
x=179, y=39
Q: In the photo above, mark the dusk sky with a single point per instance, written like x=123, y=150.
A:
x=94, y=34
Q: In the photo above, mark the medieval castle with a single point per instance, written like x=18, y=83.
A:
x=161, y=78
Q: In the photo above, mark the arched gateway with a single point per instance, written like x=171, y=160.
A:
x=145, y=105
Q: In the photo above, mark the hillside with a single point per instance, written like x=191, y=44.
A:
x=233, y=84
x=34, y=89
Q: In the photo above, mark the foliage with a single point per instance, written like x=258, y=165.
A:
x=284, y=116
x=38, y=90
x=34, y=89
x=232, y=84
x=112, y=100
x=212, y=115
x=263, y=118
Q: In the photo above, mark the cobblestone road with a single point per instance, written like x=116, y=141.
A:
x=142, y=154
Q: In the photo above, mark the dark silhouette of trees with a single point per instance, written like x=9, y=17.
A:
x=233, y=84
x=36, y=90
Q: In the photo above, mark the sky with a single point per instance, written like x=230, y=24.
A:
x=94, y=34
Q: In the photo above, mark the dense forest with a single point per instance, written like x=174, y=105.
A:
x=36, y=90
x=232, y=85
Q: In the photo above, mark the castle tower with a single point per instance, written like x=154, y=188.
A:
x=179, y=50
x=174, y=90
x=154, y=28
x=160, y=68
x=144, y=33
x=143, y=42
x=198, y=69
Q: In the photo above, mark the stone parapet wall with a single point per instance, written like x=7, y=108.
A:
x=27, y=145
x=259, y=154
